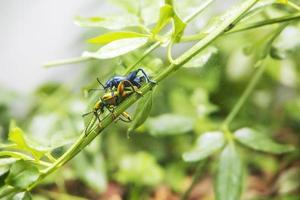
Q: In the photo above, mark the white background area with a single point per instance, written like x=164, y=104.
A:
x=34, y=32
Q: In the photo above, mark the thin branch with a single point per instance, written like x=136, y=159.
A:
x=245, y=27
x=199, y=10
x=253, y=82
x=264, y=23
x=295, y=6
x=66, y=61
x=244, y=97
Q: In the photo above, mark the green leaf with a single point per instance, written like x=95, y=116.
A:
x=282, y=1
x=142, y=112
x=169, y=124
x=259, y=141
x=165, y=15
x=22, y=174
x=117, y=48
x=91, y=170
x=112, y=36
x=202, y=59
x=170, y=2
x=288, y=182
x=140, y=168
x=109, y=22
x=206, y=144
x=16, y=135
x=4, y=168
x=21, y=196
x=179, y=26
x=7, y=161
x=278, y=54
x=4, y=171
x=229, y=180
x=175, y=175
x=262, y=48
x=5, y=164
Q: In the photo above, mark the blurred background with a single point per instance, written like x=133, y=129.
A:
x=35, y=32
x=48, y=103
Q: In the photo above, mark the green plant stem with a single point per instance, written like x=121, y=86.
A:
x=66, y=61
x=295, y=6
x=22, y=156
x=196, y=177
x=7, y=190
x=253, y=25
x=245, y=27
x=83, y=140
x=199, y=10
x=252, y=83
x=244, y=97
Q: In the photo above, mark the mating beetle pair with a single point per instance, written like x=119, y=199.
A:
x=117, y=89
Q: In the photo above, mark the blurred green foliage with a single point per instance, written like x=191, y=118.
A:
x=187, y=110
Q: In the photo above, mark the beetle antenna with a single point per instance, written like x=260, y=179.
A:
x=91, y=90
x=100, y=82
x=85, y=114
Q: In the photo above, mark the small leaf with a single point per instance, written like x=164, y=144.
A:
x=261, y=48
x=110, y=22
x=169, y=124
x=259, y=141
x=112, y=36
x=278, y=54
x=179, y=25
x=4, y=171
x=230, y=175
x=288, y=182
x=117, y=48
x=4, y=168
x=16, y=135
x=21, y=196
x=91, y=170
x=165, y=14
x=141, y=169
x=142, y=112
x=206, y=144
x=7, y=161
x=22, y=174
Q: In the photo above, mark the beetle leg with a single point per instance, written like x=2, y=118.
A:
x=111, y=109
x=90, y=125
x=98, y=118
x=127, y=116
x=146, y=76
x=121, y=90
x=132, y=75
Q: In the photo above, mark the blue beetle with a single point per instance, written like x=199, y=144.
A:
x=132, y=79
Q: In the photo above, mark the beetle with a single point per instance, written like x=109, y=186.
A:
x=109, y=101
x=132, y=79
